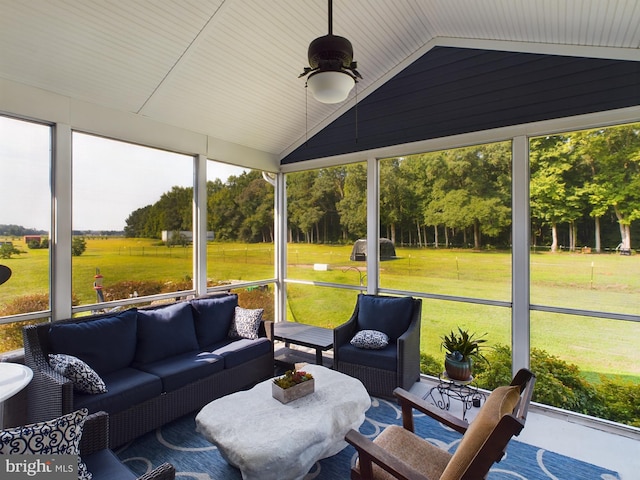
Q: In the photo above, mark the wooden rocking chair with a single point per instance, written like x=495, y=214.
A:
x=399, y=453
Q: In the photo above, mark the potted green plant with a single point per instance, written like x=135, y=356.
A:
x=461, y=349
x=292, y=385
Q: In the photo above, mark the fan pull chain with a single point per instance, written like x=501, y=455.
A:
x=356, y=112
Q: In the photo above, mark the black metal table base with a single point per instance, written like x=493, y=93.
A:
x=448, y=389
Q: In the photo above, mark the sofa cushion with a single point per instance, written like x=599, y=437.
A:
x=384, y=358
x=105, y=465
x=212, y=318
x=105, y=344
x=126, y=387
x=165, y=331
x=246, y=323
x=371, y=339
x=180, y=370
x=391, y=315
x=59, y=436
x=84, y=378
x=241, y=351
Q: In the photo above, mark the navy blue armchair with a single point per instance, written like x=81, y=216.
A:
x=397, y=364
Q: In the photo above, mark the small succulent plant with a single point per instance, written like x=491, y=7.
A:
x=291, y=378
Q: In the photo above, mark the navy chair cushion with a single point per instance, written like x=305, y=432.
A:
x=391, y=315
x=105, y=465
x=105, y=344
x=385, y=358
x=126, y=387
x=213, y=317
x=164, y=332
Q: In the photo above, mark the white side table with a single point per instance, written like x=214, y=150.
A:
x=13, y=378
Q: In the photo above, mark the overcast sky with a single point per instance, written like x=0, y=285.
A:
x=110, y=179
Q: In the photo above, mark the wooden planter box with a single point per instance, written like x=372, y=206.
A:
x=286, y=395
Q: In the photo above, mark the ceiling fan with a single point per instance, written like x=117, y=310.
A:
x=332, y=71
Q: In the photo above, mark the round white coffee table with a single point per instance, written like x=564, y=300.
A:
x=13, y=378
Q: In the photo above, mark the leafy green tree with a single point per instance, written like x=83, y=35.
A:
x=550, y=161
x=223, y=217
x=136, y=221
x=395, y=196
x=78, y=246
x=353, y=207
x=470, y=190
x=255, y=203
x=302, y=210
x=327, y=192
x=7, y=249
x=613, y=157
x=176, y=238
x=174, y=210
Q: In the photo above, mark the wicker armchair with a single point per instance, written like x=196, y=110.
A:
x=102, y=462
x=396, y=365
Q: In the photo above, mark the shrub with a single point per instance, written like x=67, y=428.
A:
x=621, y=400
x=33, y=244
x=257, y=298
x=78, y=246
x=429, y=365
x=131, y=288
x=561, y=384
x=11, y=333
x=25, y=304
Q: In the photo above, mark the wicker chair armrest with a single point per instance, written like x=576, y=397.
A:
x=49, y=395
x=166, y=471
x=408, y=401
x=344, y=333
x=266, y=329
x=95, y=433
x=34, y=357
x=408, y=346
x=369, y=453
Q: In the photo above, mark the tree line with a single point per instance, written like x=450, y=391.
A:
x=584, y=189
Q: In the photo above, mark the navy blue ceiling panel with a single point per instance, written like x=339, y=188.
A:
x=450, y=91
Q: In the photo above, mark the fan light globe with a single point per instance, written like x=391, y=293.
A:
x=330, y=86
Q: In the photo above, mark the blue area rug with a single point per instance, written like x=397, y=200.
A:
x=195, y=458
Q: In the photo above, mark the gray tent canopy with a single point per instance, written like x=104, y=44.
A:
x=359, y=251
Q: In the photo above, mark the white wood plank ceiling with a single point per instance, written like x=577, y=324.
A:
x=229, y=68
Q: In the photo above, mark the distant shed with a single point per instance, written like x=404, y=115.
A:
x=359, y=250
x=32, y=238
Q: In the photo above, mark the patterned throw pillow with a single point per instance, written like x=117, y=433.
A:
x=84, y=378
x=371, y=339
x=60, y=436
x=246, y=323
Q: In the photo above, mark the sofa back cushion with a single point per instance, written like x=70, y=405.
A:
x=212, y=318
x=391, y=315
x=165, y=331
x=106, y=344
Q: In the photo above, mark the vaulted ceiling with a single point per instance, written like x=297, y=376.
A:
x=229, y=68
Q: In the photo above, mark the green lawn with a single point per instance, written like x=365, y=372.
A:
x=605, y=282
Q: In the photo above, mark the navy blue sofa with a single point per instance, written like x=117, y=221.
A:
x=157, y=363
